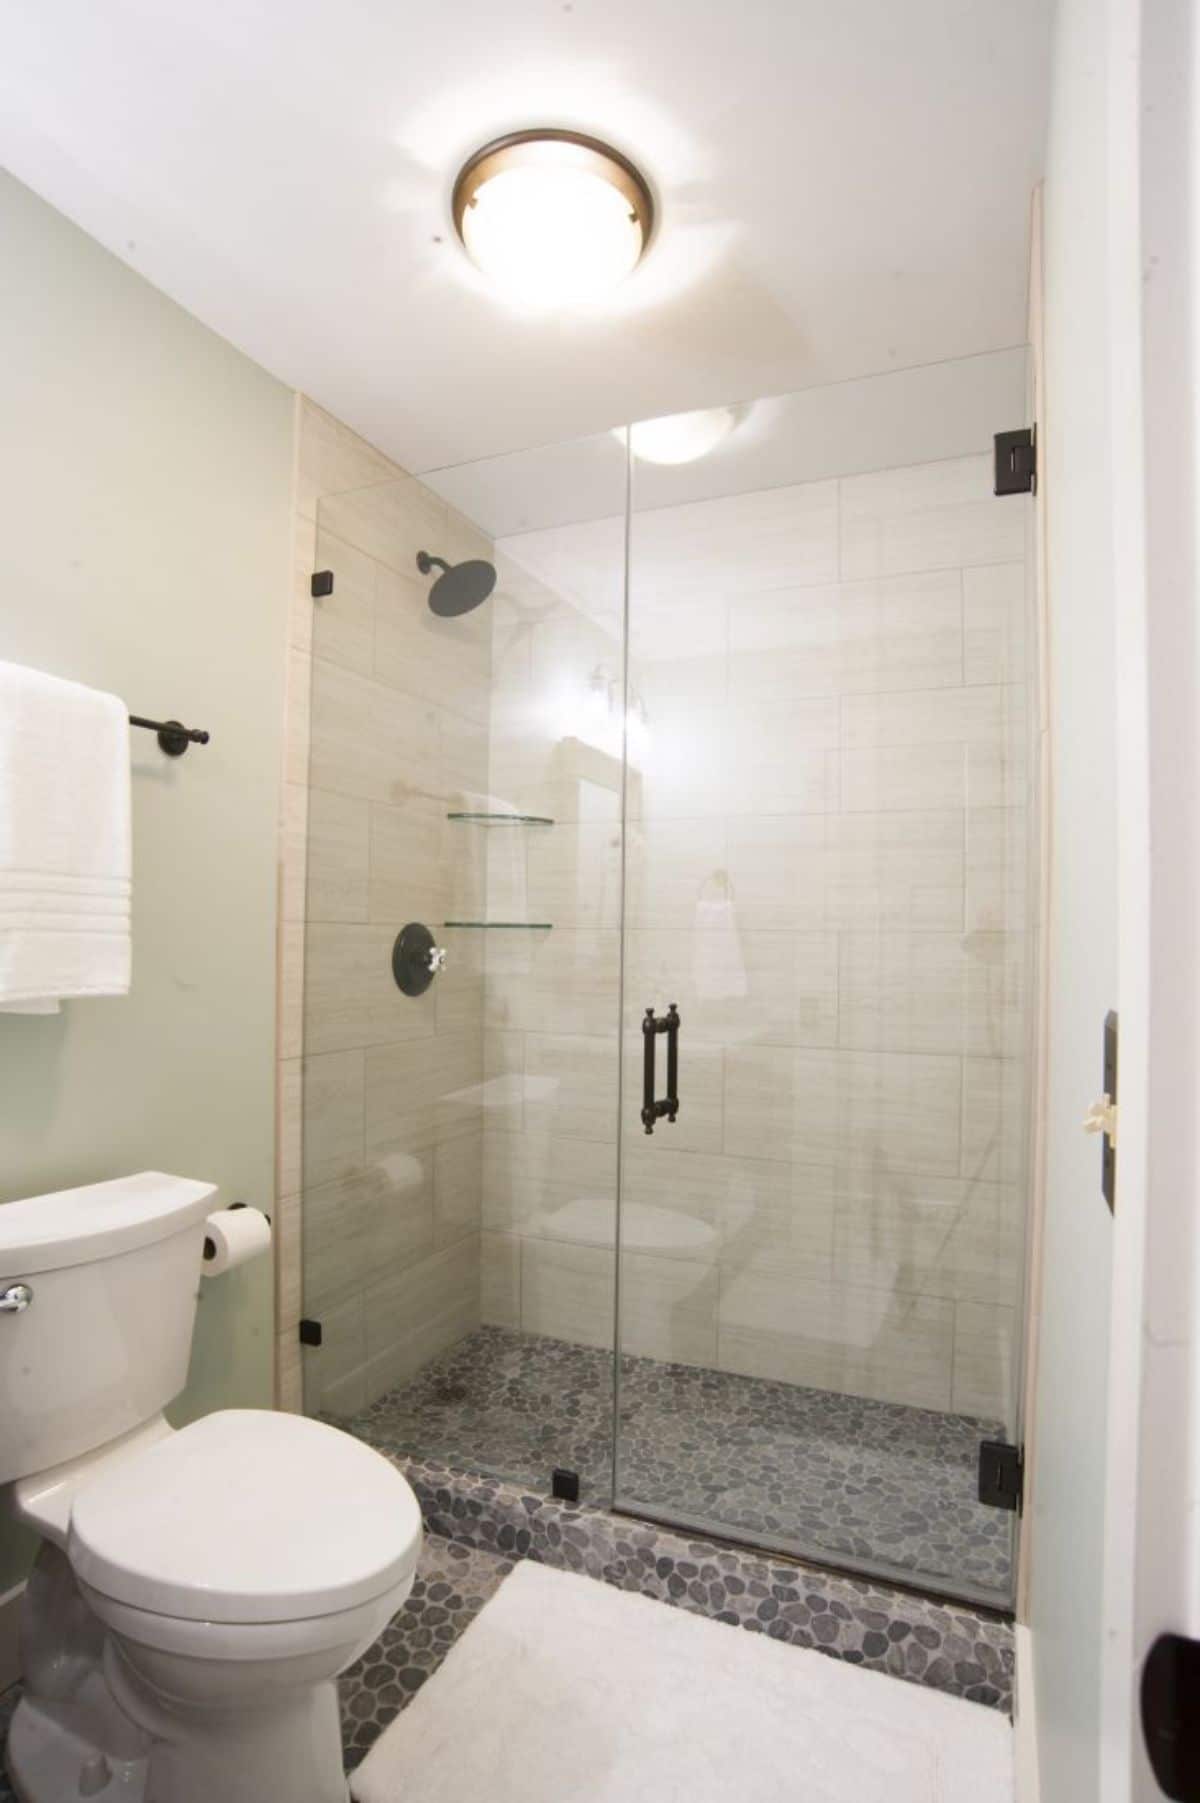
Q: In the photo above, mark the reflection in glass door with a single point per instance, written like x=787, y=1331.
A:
x=820, y=1246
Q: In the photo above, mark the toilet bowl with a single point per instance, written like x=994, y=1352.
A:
x=235, y=1568
x=198, y=1591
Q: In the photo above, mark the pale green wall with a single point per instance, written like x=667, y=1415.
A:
x=145, y=470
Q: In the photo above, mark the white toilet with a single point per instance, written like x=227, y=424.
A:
x=198, y=1591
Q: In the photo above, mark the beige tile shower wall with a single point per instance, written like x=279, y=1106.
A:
x=381, y=1124
x=826, y=870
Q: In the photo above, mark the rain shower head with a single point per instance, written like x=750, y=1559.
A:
x=460, y=587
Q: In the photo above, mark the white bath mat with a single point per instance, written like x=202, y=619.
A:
x=565, y=1690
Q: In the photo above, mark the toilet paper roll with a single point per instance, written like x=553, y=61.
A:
x=231, y=1237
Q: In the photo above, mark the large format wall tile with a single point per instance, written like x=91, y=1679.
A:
x=567, y=1291
x=360, y=1225
x=672, y=867
x=736, y=545
x=903, y=632
x=668, y=1308
x=551, y=1186
x=890, y=778
x=500, y=1280
x=732, y=986
x=563, y=981
x=994, y=624
x=412, y=1313
x=868, y=1342
x=421, y=653
x=817, y=1107
x=997, y=865
x=338, y=856
x=391, y=520
x=934, y=1236
x=333, y=1115
x=895, y=870
x=571, y=1085
x=903, y=992
x=369, y=744
x=570, y=877
x=933, y=516
x=416, y=868
x=985, y=1360
x=994, y=1116
x=745, y=1212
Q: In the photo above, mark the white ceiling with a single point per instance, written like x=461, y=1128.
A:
x=843, y=184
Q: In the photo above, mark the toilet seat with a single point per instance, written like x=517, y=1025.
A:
x=246, y=1517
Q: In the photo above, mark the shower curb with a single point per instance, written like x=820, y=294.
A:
x=947, y=1646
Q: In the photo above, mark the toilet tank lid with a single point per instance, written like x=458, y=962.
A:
x=98, y=1220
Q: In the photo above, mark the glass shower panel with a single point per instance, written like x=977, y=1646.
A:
x=460, y=1145
x=392, y=1112
x=821, y=1257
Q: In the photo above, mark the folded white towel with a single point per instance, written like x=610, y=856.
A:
x=64, y=842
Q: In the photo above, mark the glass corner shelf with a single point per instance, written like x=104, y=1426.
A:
x=509, y=819
x=511, y=926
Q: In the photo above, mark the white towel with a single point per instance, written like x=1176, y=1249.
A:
x=64, y=842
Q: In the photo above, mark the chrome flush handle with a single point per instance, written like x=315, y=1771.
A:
x=15, y=1298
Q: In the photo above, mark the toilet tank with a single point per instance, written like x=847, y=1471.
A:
x=103, y=1345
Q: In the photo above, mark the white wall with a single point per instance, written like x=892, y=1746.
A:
x=145, y=472
x=1068, y=1471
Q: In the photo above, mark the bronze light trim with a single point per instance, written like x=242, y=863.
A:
x=520, y=148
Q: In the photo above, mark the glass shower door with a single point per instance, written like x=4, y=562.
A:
x=820, y=1247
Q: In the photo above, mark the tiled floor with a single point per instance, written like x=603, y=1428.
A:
x=828, y=1476
x=946, y=1646
x=453, y=1583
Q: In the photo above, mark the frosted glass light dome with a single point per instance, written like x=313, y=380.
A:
x=552, y=218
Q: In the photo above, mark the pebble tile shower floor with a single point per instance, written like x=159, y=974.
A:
x=838, y=1477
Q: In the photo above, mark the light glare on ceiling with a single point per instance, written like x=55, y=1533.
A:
x=552, y=218
x=679, y=437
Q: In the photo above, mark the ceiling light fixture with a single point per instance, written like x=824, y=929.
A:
x=678, y=437
x=553, y=217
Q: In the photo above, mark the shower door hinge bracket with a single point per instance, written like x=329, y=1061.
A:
x=310, y=1333
x=1170, y=1719
x=1016, y=462
x=1001, y=1475
x=322, y=584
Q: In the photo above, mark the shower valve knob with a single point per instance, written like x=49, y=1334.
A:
x=416, y=959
